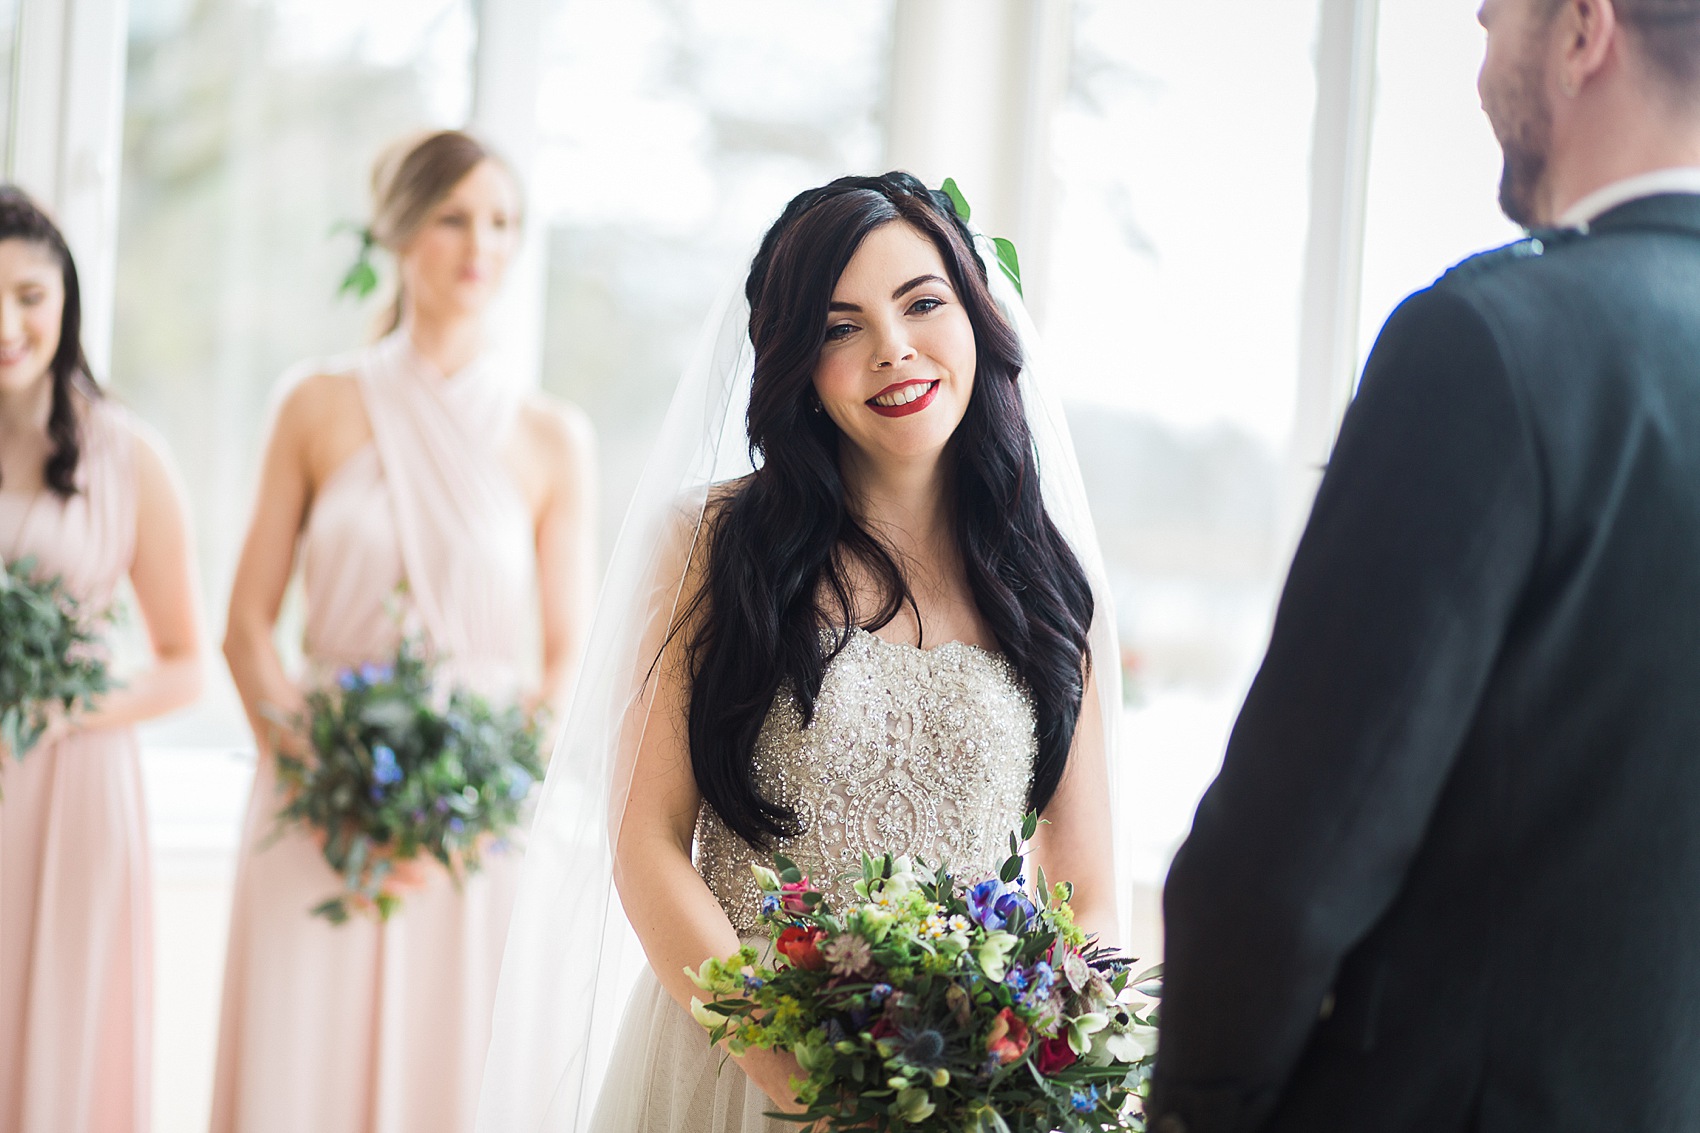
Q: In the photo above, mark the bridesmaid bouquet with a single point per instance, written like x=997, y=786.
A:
x=49, y=655
x=929, y=1006
x=395, y=779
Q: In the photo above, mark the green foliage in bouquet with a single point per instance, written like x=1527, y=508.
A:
x=393, y=777
x=930, y=1006
x=49, y=654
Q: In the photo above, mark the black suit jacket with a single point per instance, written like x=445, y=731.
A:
x=1449, y=876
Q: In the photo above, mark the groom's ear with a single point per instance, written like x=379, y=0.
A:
x=1588, y=29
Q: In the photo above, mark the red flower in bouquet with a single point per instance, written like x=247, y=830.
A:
x=801, y=946
x=1054, y=1055
x=1008, y=1038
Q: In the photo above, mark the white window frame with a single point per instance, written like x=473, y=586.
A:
x=67, y=131
x=1334, y=247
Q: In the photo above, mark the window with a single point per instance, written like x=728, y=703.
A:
x=1171, y=309
x=1434, y=164
x=672, y=133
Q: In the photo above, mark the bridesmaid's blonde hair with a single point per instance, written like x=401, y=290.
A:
x=410, y=178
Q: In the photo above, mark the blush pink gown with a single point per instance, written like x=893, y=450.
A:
x=367, y=1027
x=76, y=956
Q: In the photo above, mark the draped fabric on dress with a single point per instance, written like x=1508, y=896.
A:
x=362, y=1027
x=76, y=961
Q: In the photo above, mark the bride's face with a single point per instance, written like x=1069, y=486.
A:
x=897, y=365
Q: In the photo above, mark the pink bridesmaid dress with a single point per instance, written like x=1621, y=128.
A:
x=366, y=1027
x=76, y=960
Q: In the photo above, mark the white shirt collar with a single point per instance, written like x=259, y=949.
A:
x=1682, y=179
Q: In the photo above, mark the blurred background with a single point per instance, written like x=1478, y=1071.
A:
x=1217, y=203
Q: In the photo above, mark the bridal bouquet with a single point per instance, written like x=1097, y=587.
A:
x=929, y=1006
x=49, y=654
x=395, y=779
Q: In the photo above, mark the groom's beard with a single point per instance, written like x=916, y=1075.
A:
x=1522, y=122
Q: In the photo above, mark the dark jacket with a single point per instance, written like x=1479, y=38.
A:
x=1449, y=876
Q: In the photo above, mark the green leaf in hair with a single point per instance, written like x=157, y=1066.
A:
x=1009, y=262
x=361, y=280
x=957, y=200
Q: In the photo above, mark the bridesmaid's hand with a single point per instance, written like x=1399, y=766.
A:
x=59, y=726
x=285, y=714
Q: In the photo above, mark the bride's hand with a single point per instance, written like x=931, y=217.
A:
x=773, y=1071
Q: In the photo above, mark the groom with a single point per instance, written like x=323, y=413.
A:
x=1449, y=876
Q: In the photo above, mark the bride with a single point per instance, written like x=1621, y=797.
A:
x=878, y=639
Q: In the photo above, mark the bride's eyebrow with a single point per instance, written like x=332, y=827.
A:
x=836, y=305
x=916, y=282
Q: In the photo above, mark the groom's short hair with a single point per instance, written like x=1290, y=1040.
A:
x=1668, y=34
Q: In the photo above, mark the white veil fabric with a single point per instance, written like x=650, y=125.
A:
x=571, y=958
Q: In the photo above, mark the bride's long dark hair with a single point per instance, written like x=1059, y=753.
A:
x=776, y=605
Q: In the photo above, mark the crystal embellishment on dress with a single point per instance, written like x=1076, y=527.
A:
x=924, y=752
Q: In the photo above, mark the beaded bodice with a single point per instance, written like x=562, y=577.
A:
x=921, y=752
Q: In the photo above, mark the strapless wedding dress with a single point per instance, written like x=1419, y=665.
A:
x=921, y=752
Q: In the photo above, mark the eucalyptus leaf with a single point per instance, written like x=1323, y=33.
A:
x=51, y=654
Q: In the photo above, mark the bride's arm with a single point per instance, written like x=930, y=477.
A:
x=1075, y=842
x=677, y=919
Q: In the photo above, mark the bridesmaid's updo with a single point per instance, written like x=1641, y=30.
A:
x=412, y=177
x=22, y=219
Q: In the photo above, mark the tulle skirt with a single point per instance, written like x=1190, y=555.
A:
x=665, y=1077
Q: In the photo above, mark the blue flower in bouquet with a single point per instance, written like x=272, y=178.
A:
x=347, y=680
x=879, y=993
x=993, y=903
x=1032, y=983
x=376, y=674
x=769, y=905
x=386, y=772
x=1085, y=1100
x=457, y=825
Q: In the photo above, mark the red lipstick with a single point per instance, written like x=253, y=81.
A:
x=908, y=408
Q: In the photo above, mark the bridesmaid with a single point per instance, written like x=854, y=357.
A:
x=420, y=459
x=87, y=492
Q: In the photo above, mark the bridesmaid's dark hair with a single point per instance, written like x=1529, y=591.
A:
x=776, y=604
x=22, y=219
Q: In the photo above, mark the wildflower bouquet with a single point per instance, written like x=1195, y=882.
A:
x=929, y=1006
x=394, y=779
x=49, y=654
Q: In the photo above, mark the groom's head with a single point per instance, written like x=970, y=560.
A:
x=1576, y=89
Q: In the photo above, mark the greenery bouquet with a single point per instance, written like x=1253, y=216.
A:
x=50, y=654
x=930, y=1006
x=395, y=779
